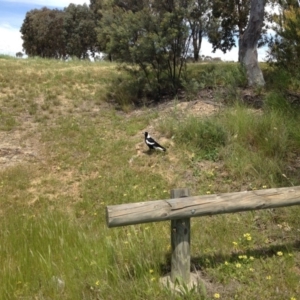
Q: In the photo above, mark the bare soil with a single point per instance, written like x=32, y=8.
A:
x=21, y=144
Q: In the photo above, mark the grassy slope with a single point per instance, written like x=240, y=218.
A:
x=54, y=240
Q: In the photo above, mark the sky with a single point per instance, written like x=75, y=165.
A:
x=13, y=12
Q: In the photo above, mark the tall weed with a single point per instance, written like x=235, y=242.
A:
x=259, y=144
x=204, y=136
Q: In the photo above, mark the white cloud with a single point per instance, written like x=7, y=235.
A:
x=206, y=49
x=232, y=55
x=56, y=3
x=10, y=41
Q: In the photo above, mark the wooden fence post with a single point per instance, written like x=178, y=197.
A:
x=180, y=242
x=179, y=211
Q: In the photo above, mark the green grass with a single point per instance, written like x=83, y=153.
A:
x=203, y=135
x=7, y=121
x=254, y=147
x=54, y=240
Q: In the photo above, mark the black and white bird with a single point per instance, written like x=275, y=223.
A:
x=152, y=144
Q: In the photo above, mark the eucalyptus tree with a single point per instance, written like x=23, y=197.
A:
x=198, y=17
x=80, y=31
x=43, y=33
x=152, y=39
x=248, y=44
x=240, y=20
x=284, y=47
x=228, y=24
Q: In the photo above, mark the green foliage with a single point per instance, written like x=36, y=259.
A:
x=285, y=46
x=42, y=33
x=129, y=94
x=198, y=21
x=79, y=31
x=153, y=49
x=229, y=18
x=227, y=77
x=53, y=33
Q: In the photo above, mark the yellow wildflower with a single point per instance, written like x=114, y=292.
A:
x=247, y=236
x=217, y=295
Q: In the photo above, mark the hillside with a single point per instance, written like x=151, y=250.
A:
x=66, y=152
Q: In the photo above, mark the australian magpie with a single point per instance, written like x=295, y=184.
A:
x=152, y=144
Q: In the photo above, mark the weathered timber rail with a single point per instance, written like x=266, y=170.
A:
x=182, y=207
x=187, y=207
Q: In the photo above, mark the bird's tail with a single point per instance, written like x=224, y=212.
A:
x=161, y=148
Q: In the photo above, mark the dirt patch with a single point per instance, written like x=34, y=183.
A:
x=199, y=107
x=178, y=109
x=20, y=145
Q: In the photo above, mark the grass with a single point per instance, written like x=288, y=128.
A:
x=78, y=154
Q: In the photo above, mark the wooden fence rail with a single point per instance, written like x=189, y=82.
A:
x=182, y=207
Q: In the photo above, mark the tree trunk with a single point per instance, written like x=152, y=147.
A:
x=197, y=42
x=248, y=44
x=196, y=49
